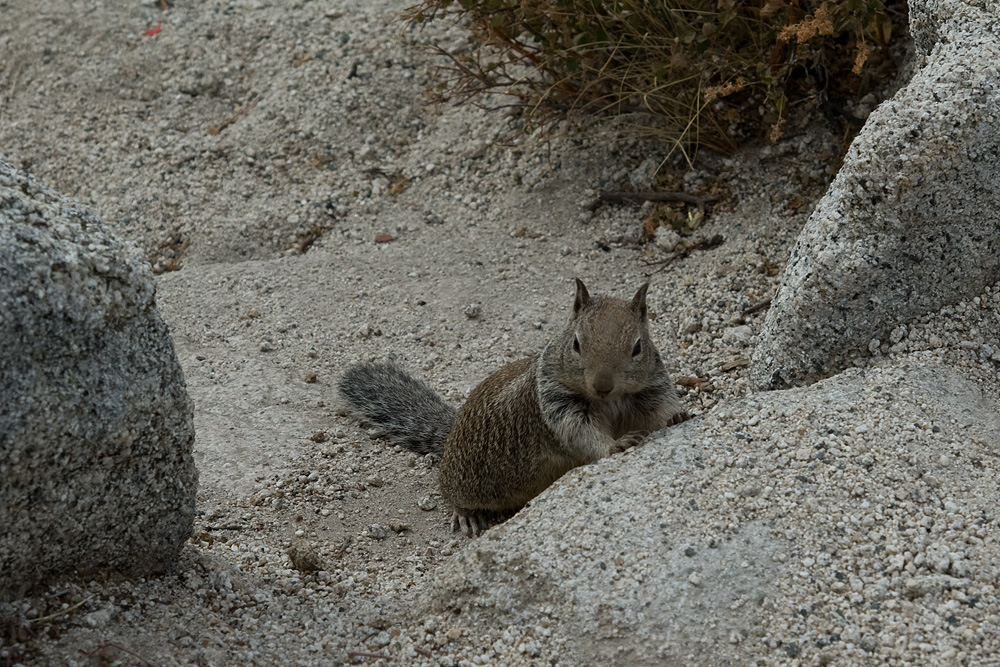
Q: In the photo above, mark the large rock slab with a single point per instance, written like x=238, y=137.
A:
x=813, y=523
x=95, y=423
x=912, y=221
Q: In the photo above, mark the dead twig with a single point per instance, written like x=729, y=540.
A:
x=621, y=197
x=702, y=244
x=123, y=650
x=216, y=129
x=62, y=611
x=757, y=307
x=351, y=655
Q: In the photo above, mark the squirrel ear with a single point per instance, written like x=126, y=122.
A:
x=582, y=297
x=639, y=300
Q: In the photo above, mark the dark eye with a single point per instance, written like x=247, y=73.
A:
x=576, y=344
x=637, y=348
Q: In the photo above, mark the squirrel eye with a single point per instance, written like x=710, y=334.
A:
x=637, y=348
x=576, y=344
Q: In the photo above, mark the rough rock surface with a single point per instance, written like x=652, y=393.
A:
x=95, y=423
x=912, y=221
x=785, y=524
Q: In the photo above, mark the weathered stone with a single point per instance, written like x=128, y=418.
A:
x=912, y=221
x=658, y=557
x=95, y=423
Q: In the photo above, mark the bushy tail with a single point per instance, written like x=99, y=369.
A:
x=406, y=409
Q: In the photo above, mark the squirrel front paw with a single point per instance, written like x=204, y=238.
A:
x=628, y=441
x=681, y=416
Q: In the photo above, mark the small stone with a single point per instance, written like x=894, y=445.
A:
x=373, y=480
x=427, y=504
x=691, y=326
x=667, y=239
x=99, y=618
x=310, y=378
x=319, y=436
x=694, y=579
x=305, y=558
x=266, y=346
x=377, y=531
x=472, y=311
x=739, y=335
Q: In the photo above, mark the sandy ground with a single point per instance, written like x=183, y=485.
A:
x=257, y=154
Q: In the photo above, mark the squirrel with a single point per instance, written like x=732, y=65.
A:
x=599, y=387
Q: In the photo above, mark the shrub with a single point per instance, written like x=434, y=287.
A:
x=705, y=71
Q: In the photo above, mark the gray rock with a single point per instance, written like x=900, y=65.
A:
x=597, y=554
x=934, y=21
x=96, y=426
x=656, y=557
x=912, y=221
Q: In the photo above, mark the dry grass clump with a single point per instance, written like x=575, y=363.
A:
x=706, y=71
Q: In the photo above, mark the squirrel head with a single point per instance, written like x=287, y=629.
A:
x=607, y=351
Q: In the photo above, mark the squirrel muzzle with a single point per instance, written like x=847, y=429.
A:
x=603, y=384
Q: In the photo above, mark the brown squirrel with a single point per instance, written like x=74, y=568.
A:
x=597, y=388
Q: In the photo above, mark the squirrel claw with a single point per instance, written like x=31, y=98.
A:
x=629, y=440
x=681, y=416
x=471, y=523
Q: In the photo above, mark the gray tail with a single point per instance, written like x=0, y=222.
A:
x=404, y=408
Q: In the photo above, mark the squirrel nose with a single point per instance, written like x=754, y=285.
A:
x=604, y=383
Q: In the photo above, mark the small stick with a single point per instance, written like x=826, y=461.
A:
x=703, y=244
x=124, y=650
x=216, y=129
x=620, y=197
x=60, y=613
x=756, y=307
x=361, y=654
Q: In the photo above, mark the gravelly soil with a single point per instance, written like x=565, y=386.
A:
x=255, y=152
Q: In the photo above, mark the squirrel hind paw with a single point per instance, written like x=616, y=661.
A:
x=474, y=522
x=470, y=522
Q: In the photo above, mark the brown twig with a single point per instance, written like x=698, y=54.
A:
x=216, y=129
x=123, y=650
x=621, y=197
x=702, y=244
x=756, y=307
x=351, y=655
x=61, y=612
